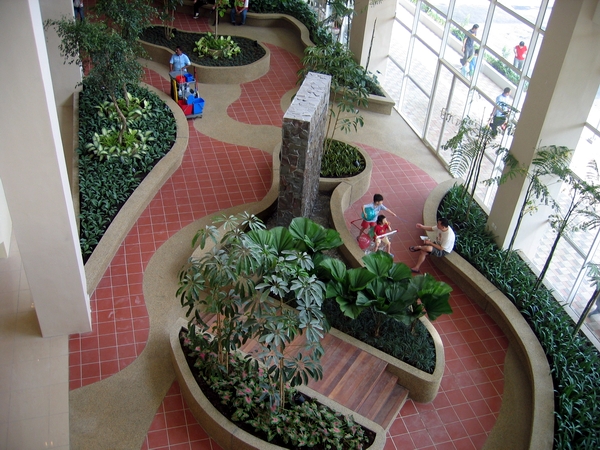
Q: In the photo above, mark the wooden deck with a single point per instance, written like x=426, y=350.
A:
x=354, y=379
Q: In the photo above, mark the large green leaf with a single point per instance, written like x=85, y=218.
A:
x=359, y=278
x=263, y=238
x=335, y=268
x=379, y=263
x=349, y=308
x=282, y=239
x=400, y=272
x=434, y=295
x=315, y=236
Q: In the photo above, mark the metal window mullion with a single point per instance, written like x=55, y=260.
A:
x=582, y=271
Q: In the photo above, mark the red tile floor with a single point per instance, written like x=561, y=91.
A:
x=469, y=400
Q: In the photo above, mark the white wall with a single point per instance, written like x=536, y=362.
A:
x=34, y=174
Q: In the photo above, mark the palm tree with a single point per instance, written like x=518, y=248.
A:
x=580, y=214
x=468, y=148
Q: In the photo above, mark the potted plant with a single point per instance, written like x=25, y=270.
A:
x=238, y=292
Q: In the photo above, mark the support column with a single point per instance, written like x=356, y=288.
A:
x=34, y=176
x=380, y=17
x=562, y=89
x=303, y=135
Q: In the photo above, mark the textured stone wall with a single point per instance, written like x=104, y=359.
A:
x=303, y=134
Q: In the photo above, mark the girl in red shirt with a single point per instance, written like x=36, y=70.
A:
x=382, y=226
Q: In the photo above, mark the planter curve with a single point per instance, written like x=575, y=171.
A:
x=225, y=432
x=534, y=418
x=216, y=75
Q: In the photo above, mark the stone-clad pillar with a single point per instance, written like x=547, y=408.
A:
x=303, y=135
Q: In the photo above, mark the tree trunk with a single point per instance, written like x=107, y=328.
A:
x=586, y=311
x=122, y=118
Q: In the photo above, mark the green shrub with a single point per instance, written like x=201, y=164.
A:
x=574, y=362
x=217, y=47
x=105, y=185
x=341, y=160
x=300, y=10
x=395, y=339
x=303, y=423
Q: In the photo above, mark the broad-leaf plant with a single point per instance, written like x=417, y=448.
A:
x=387, y=289
x=240, y=290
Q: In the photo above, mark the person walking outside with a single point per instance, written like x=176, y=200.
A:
x=468, y=47
x=520, y=53
x=500, y=111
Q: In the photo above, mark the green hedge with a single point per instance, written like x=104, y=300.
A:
x=574, y=361
x=104, y=186
x=300, y=10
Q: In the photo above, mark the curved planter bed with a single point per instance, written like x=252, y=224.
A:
x=216, y=75
x=529, y=412
x=98, y=262
x=225, y=432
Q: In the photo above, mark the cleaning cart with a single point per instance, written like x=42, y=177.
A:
x=184, y=90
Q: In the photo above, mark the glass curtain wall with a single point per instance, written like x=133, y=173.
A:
x=568, y=270
x=434, y=91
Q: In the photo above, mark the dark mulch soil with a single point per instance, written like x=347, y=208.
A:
x=227, y=411
x=251, y=51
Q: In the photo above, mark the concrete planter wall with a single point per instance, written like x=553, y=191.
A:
x=98, y=262
x=216, y=75
x=226, y=433
x=536, y=419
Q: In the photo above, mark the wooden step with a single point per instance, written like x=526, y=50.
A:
x=351, y=377
x=384, y=401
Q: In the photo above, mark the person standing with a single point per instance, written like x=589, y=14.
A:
x=240, y=7
x=520, y=53
x=179, y=61
x=468, y=46
x=370, y=212
x=78, y=9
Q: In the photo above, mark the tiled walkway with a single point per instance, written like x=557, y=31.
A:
x=464, y=412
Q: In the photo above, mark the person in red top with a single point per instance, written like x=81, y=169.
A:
x=382, y=227
x=520, y=53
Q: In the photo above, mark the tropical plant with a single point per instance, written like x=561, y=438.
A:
x=386, y=288
x=341, y=160
x=167, y=16
x=111, y=60
x=104, y=186
x=340, y=10
x=234, y=280
x=106, y=145
x=348, y=89
x=303, y=423
x=574, y=361
x=217, y=47
x=133, y=108
x=468, y=148
x=579, y=213
x=128, y=19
